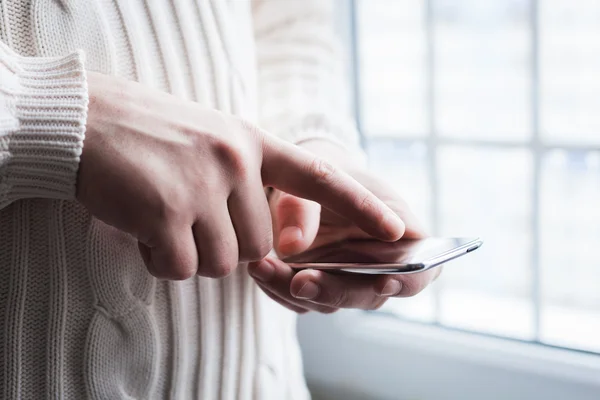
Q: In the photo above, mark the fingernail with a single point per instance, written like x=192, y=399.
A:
x=391, y=288
x=264, y=271
x=309, y=291
x=289, y=235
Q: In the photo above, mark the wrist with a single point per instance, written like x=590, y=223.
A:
x=107, y=105
x=91, y=132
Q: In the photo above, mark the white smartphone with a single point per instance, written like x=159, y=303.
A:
x=368, y=256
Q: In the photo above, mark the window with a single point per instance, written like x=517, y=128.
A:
x=485, y=115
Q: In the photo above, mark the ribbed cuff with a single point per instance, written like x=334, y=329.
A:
x=48, y=98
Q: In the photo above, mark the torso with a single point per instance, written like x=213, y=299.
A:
x=81, y=316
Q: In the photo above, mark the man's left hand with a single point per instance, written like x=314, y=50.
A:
x=299, y=224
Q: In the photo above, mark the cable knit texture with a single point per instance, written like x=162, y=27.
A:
x=81, y=316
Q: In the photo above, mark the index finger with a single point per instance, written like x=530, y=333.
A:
x=295, y=171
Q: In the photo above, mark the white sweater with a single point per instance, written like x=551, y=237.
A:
x=81, y=317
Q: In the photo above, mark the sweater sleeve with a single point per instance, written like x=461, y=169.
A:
x=303, y=93
x=43, y=110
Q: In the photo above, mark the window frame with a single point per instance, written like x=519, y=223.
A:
x=376, y=355
x=433, y=141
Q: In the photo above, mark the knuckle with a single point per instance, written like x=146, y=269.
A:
x=165, y=210
x=218, y=269
x=196, y=138
x=264, y=248
x=182, y=272
x=322, y=170
x=339, y=299
x=249, y=128
x=169, y=204
x=266, y=244
x=258, y=135
x=413, y=285
x=256, y=253
x=261, y=246
x=233, y=158
x=368, y=204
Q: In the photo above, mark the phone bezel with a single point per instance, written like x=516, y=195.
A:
x=394, y=268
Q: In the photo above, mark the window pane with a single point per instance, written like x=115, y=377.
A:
x=404, y=167
x=392, y=67
x=482, y=91
x=487, y=193
x=482, y=61
x=569, y=65
x=570, y=234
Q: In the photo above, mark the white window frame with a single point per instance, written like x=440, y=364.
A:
x=355, y=356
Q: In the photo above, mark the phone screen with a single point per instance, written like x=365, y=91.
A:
x=368, y=251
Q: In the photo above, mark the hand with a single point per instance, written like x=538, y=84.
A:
x=300, y=224
x=187, y=181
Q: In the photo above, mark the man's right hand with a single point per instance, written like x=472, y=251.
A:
x=187, y=181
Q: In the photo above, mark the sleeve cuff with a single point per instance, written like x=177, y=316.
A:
x=46, y=100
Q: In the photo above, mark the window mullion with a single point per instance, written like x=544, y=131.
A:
x=355, y=73
x=537, y=149
x=432, y=141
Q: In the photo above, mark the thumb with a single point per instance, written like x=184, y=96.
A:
x=295, y=222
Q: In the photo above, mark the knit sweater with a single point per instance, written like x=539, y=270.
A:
x=80, y=315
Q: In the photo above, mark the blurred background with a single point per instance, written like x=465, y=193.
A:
x=485, y=116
